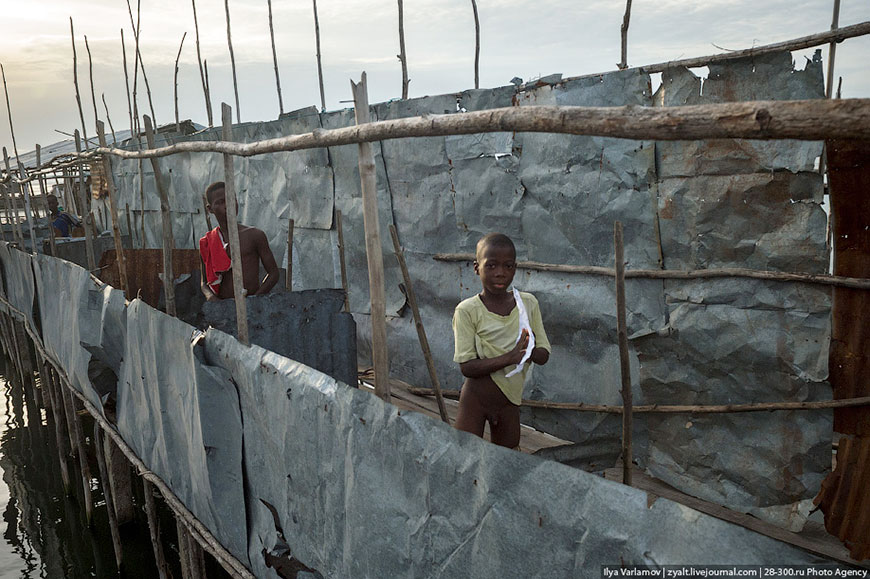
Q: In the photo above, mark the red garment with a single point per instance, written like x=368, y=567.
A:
x=215, y=257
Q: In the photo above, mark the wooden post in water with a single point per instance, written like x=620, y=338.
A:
x=183, y=549
x=83, y=206
x=418, y=323
x=59, y=421
x=121, y=479
x=107, y=495
x=83, y=457
x=154, y=529
x=624, y=364
x=341, y=261
x=288, y=279
x=168, y=239
x=319, y=64
x=44, y=188
x=374, y=252
x=233, y=226
x=113, y=208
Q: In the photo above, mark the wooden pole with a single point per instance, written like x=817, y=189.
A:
x=109, y=119
x=207, y=86
x=168, y=239
x=374, y=253
x=140, y=65
x=319, y=64
x=91, y=79
x=233, y=226
x=107, y=495
x=403, y=58
x=288, y=281
x=183, y=549
x=154, y=529
x=476, y=44
x=127, y=84
x=233, y=62
x=83, y=203
x=175, y=83
x=624, y=363
x=16, y=222
x=623, y=64
x=418, y=322
x=205, y=212
x=826, y=280
x=59, y=420
x=275, y=60
x=341, y=260
x=113, y=208
x=25, y=190
x=83, y=457
x=76, y=84
x=142, y=202
x=129, y=225
x=832, y=51
x=43, y=187
x=201, y=73
x=808, y=120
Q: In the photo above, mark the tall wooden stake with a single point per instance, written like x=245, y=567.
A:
x=418, y=322
x=91, y=79
x=207, y=85
x=201, y=73
x=59, y=421
x=476, y=44
x=107, y=495
x=233, y=62
x=43, y=187
x=403, y=58
x=168, y=239
x=341, y=260
x=76, y=84
x=83, y=206
x=129, y=226
x=127, y=84
x=16, y=221
x=623, y=64
x=21, y=173
x=275, y=60
x=175, y=83
x=25, y=191
x=233, y=226
x=624, y=365
x=140, y=65
x=113, y=208
x=154, y=529
x=832, y=51
x=288, y=280
x=83, y=457
x=319, y=64
x=374, y=253
x=109, y=119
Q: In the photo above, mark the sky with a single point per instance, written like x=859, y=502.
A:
x=519, y=38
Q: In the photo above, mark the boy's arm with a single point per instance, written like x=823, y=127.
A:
x=480, y=367
x=203, y=284
x=268, y=259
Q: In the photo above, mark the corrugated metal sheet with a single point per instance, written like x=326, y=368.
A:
x=845, y=494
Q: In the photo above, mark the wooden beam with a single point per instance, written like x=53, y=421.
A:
x=168, y=238
x=817, y=279
x=233, y=233
x=374, y=253
x=808, y=120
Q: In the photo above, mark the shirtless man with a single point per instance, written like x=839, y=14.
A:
x=217, y=280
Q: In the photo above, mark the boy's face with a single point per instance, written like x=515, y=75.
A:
x=218, y=204
x=496, y=266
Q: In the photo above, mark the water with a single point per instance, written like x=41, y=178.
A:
x=45, y=532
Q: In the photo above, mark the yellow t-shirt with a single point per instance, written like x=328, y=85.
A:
x=479, y=333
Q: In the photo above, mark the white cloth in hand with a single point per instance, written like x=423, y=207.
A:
x=524, y=325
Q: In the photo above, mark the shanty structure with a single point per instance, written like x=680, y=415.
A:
x=679, y=249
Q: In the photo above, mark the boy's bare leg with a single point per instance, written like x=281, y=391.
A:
x=505, y=429
x=471, y=416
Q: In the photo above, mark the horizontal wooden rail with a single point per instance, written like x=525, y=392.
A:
x=674, y=409
x=808, y=278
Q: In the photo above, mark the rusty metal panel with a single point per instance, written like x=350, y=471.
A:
x=143, y=267
x=845, y=496
x=849, y=176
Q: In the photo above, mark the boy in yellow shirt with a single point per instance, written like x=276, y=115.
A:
x=492, y=333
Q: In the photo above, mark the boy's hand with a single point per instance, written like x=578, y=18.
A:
x=516, y=355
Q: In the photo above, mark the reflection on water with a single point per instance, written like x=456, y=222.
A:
x=45, y=532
